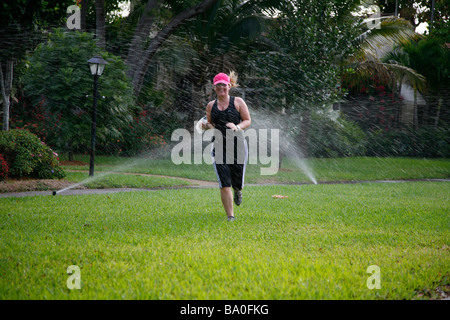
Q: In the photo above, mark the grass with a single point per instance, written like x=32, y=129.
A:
x=104, y=180
x=164, y=167
x=340, y=169
x=176, y=244
x=367, y=168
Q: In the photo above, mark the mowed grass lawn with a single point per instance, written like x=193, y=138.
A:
x=292, y=170
x=176, y=244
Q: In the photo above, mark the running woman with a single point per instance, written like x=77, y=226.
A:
x=228, y=116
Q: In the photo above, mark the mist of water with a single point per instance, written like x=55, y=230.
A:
x=90, y=179
x=296, y=156
x=288, y=146
x=116, y=169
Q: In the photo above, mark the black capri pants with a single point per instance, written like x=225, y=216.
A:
x=230, y=167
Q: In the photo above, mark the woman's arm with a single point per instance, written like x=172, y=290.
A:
x=209, y=125
x=242, y=108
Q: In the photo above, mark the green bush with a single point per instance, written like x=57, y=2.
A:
x=139, y=137
x=425, y=142
x=335, y=138
x=28, y=156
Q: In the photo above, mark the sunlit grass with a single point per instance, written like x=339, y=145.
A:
x=176, y=244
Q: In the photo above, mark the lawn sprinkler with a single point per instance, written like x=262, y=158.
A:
x=54, y=193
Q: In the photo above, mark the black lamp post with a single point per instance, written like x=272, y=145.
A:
x=97, y=65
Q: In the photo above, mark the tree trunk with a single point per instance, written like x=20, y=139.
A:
x=304, y=133
x=6, y=87
x=425, y=114
x=83, y=15
x=138, y=58
x=416, y=116
x=100, y=23
x=140, y=35
x=70, y=150
x=436, y=121
x=432, y=13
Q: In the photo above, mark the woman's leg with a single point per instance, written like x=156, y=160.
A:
x=227, y=200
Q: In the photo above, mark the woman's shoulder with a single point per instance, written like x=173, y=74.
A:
x=239, y=102
x=210, y=104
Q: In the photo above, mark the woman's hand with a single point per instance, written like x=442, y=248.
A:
x=232, y=126
x=206, y=125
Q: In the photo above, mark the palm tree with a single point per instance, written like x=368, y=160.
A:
x=374, y=45
x=428, y=57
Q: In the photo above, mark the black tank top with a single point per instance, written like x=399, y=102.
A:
x=221, y=118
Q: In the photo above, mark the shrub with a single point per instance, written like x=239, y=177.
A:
x=425, y=142
x=28, y=156
x=335, y=138
x=144, y=135
x=4, y=168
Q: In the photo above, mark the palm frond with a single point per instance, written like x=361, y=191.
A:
x=392, y=32
x=413, y=78
x=248, y=28
x=396, y=55
x=386, y=73
x=252, y=7
x=364, y=70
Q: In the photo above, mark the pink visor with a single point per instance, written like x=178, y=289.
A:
x=221, y=78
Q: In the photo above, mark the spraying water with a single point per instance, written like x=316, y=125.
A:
x=288, y=147
x=292, y=151
x=117, y=169
x=90, y=179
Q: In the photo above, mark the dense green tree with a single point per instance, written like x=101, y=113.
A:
x=313, y=39
x=21, y=25
x=368, y=68
x=367, y=76
x=57, y=76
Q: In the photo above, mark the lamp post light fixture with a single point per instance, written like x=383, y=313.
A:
x=97, y=65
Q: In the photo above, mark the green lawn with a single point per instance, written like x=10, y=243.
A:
x=340, y=169
x=104, y=180
x=176, y=244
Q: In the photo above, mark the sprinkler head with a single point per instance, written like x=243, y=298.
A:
x=54, y=193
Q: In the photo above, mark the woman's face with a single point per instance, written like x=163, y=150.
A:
x=222, y=89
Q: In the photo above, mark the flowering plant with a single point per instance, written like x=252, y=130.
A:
x=4, y=168
x=28, y=156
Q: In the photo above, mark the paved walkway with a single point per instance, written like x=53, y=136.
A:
x=200, y=184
